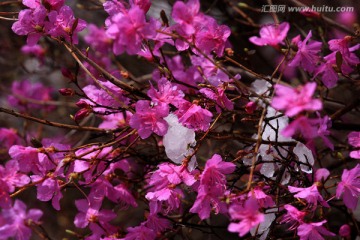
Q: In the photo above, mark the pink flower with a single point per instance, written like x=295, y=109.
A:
x=35, y=50
x=12, y=177
x=313, y=231
x=34, y=91
x=142, y=4
x=156, y=223
x=116, y=120
x=218, y=95
x=92, y=161
x=250, y=107
x=163, y=194
x=98, y=39
x=48, y=189
x=119, y=194
x=149, y=119
x=215, y=76
x=328, y=75
x=13, y=221
x=175, y=174
x=102, y=99
x=112, y=7
x=293, y=216
x=168, y=93
x=8, y=138
x=140, y=233
x=5, y=199
x=310, y=194
x=321, y=174
x=27, y=157
x=215, y=170
x=212, y=38
x=350, y=186
x=271, y=35
x=248, y=215
x=186, y=14
x=31, y=23
x=195, y=117
x=90, y=214
x=354, y=140
x=165, y=200
x=264, y=200
x=349, y=59
x=310, y=129
x=294, y=101
x=52, y=4
x=205, y=203
x=307, y=54
x=129, y=29
x=62, y=23
x=212, y=187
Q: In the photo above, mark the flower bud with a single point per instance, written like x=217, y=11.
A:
x=68, y=74
x=82, y=104
x=250, y=107
x=345, y=230
x=67, y=91
x=81, y=114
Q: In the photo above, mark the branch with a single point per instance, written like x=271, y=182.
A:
x=49, y=123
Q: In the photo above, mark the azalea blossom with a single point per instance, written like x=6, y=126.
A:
x=90, y=214
x=307, y=54
x=342, y=47
x=212, y=187
x=248, y=215
x=149, y=119
x=31, y=23
x=293, y=101
x=271, y=35
x=313, y=231
x=293, y=216
x=349, y=187
x=13, y=221
x=310, y=194
x=128, y=28
x=195, y=117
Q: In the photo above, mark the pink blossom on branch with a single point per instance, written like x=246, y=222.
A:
x=310, y=129
x=31, y=23
x=8, y=138
x=52, y=4
x=90, y=214
x=294, y=101
x=313, y=231
x=349, y=187
x=62, y=23
x=186, y=15
x=22, y=90
x=13, y=221
x=195, y=117
x=348, y=57
x=310, y=194
x=212, y=187
x=293, y=216
x=307, y=55
x=149, y=119
x=271, y=35
x=129, y=29
x=248, y=214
